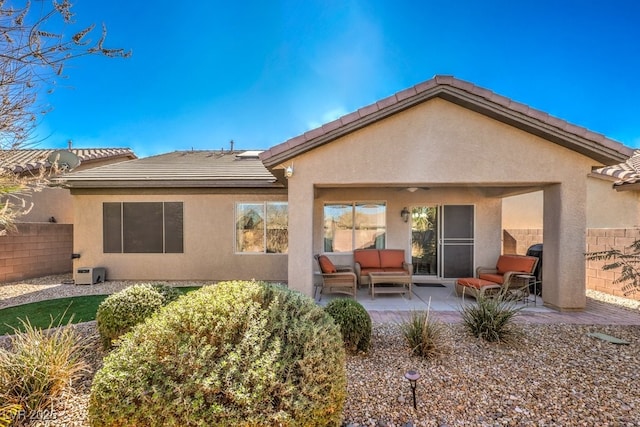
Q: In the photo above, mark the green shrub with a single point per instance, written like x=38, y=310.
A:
x=354, y=323
x=238, y=353
x=168, y=293
x=424, y=335
x=38, y=366
x=120, y=312
x=491, y=318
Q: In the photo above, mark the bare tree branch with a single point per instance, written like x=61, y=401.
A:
x=33, y=51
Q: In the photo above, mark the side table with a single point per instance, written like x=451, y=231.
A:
x=530, y=280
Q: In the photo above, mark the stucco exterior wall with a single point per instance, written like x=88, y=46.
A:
x=57, y=202
x=50, y=202
x=209, y=236
x=441, y=145
x=606, y=208
x=523, y=211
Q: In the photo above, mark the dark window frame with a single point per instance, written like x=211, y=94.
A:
x=143, y=227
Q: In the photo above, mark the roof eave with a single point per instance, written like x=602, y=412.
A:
x=171, y=184
x=627, y=186
x=602, y=151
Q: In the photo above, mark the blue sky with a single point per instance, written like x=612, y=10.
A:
x=261, y=72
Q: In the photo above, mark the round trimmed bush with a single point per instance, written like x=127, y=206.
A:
x=354, y=323
x=121, y=311
x=168, y=293
x=237, y=353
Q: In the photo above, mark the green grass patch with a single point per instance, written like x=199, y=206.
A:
x=83, y=309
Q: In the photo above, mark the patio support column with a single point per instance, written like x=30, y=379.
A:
x=300, y=268
x=565, y=225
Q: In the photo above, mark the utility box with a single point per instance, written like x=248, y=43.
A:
x=89, y=275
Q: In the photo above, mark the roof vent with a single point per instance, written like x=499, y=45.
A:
x=253, y=154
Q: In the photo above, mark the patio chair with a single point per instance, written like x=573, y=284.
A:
x=509, y=277
x=336, y=279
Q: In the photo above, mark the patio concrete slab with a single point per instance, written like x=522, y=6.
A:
x=445, y=306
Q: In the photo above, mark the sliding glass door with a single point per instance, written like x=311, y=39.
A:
x=442, y=240
x=457, y=241
x=424, y=240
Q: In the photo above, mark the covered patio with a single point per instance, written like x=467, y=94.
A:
x=438, y=297
x=445, y=307
x=448, y=145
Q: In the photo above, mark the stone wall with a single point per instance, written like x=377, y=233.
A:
x=602, y=239
x=36, y=250
x=517, y=241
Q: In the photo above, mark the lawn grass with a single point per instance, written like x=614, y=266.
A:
x=61, y=310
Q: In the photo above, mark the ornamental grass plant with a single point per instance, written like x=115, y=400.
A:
x=424, y=335
x=38, y=366
x=491, y=318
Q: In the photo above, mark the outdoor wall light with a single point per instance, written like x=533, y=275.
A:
x=413, y=377
x=288, y=171
x=405, y=214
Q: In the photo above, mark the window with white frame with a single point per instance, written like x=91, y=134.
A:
x=262, y=227
x=355, y=225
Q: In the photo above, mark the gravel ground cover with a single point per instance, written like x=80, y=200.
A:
x=554, y=375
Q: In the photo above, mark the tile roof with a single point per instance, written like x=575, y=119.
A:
x=582, y=140
x=20, y=161
x=208, y=168
x=625, y=173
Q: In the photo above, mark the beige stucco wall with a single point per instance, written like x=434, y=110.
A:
x=467, y=155
x=523, y=211
x=209, y=236
x=50, y=202
x=57, y=202
x=606, y=208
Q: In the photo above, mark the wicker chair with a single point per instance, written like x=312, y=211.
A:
x=505, y=278
x=336, y=280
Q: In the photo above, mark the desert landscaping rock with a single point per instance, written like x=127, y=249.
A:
x=554, y=375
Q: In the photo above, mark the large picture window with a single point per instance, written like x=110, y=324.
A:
x=357, y=225
x=262, y=227
x=142, y=227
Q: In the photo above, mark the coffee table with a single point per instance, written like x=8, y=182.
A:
x=400, y=283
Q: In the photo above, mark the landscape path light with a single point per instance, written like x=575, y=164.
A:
x=413, y=377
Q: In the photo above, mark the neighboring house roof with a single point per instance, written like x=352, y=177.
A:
x=483, y=101
x=21, y=161
x=180, y=169
x=626, y=174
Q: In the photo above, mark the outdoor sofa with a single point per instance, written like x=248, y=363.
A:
x=366, y=261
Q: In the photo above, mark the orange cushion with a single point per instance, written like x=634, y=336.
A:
x=391, y=258
x=326, y=265
x=367, y=258
x=495, y=278
x=523, y=264
x=472, y=282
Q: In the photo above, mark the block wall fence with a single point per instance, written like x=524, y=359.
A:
x=598, y=239
x=36, y=250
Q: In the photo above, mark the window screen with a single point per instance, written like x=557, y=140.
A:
x=143, y=227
